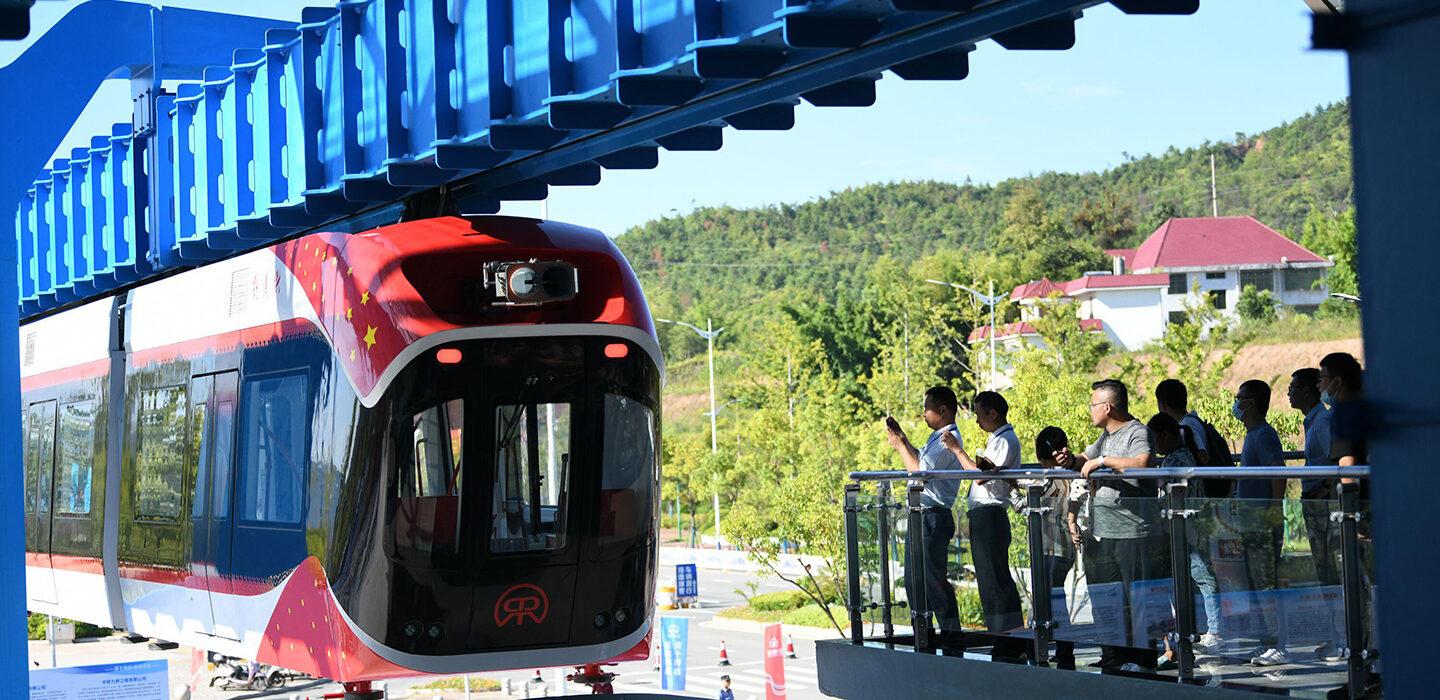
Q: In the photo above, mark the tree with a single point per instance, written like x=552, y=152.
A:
x=1256, y=305
x=1070, y=347
x=1108, y=221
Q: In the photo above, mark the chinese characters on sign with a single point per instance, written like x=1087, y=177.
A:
x=141, y=680
x=674, y=637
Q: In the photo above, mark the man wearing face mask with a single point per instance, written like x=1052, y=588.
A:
x=939, y=499
x=1261, y=515
x=990, y=521
x=1315, y=494
x=1342, y=382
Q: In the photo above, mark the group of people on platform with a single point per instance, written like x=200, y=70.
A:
x=1113, y=527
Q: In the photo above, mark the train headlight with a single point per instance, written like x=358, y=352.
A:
x=530, y=282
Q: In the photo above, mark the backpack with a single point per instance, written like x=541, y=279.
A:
x=1219, y=451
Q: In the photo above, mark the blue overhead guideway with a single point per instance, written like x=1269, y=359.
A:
x=369, y=111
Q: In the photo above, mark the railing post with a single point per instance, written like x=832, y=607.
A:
x=852, y=561
x=915, y=573
x=882, y=504
x=1184, y=599
x=1355, y=653
x=1041, y=615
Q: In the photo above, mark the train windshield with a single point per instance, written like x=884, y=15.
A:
x=523, y=447
x=532, y=469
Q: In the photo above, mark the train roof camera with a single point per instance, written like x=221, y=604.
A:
x=529, y=283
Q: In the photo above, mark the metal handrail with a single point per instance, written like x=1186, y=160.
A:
x=1356, y=472
x=1177, y=494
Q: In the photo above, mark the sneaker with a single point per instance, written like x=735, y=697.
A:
x=1271, y=657
x=1328, y=652
x=1209, y=643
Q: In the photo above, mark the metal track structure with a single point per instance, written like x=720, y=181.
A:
x=370, y=109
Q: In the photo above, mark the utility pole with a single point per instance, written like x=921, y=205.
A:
x=708, y=334
x=789, y=389
x=1214, y=205
x=989, y=300
x=905, y=399
x=993, y=332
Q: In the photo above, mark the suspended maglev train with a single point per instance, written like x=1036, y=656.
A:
x=429, y=448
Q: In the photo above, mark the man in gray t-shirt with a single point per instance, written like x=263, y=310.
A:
x=1126, y=543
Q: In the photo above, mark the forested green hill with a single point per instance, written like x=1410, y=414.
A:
x=745, y=266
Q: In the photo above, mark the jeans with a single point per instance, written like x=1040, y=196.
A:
x=1204, y=580
x=938, y=528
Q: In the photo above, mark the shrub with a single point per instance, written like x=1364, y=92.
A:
x=781, y=600
x=36, y=627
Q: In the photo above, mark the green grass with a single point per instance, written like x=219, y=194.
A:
x=477, y=684
x=1299, y=328
x=806, y=616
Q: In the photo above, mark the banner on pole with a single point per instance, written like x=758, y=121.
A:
x=774, y=663
x=674, y=638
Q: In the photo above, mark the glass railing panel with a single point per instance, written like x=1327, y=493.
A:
x=1269, y=589
x=1121, y=597
x=993, y=581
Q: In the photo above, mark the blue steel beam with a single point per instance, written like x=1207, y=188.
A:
x=370, y=102
x=54, y=79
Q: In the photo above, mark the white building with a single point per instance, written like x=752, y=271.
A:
x=1185, y=261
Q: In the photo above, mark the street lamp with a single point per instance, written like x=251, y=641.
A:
x=708, y=333
x=989, y=300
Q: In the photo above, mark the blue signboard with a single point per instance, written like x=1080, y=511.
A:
x=674, y=638
x=687, y=581
x=139, y=680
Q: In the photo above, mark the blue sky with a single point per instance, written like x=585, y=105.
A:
x=1132, y=84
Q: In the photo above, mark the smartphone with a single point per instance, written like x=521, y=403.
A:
x=892, y=424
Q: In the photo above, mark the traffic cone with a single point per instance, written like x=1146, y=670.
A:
x=537, y=679
x=790, y=646
x=724, y=655
x=655, y=656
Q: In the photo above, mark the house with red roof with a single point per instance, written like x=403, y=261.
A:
x=1187, y=261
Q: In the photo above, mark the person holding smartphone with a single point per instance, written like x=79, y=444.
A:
x=987, y=510
x=938, y=523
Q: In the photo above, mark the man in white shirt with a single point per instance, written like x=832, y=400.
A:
x=987, y=512
x=938, y=522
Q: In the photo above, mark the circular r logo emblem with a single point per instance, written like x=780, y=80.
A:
x=521, y=603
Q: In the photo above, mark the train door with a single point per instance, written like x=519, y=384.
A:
x=39, y=478
x=212, y=454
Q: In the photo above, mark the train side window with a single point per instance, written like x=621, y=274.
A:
x=77, y=458
x=532, y=465
x=221, y=459
x=430, y=478
x=438, y=438
x=198, y=457
x=275, y=454
x=160, y=455
x=40, y=456
x=628, y=468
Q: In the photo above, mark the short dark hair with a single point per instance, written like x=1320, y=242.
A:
x=992, y=401
x=1259, y=391
x=1346, y=367
x=1163, y=423
x=725, y=677
x=1119, y=395
x=941, y=397
x=1309, y=377
x=1172, y=393
x=1049, y=440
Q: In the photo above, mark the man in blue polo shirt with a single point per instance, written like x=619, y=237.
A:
x=938, y=521
x=1261, y=515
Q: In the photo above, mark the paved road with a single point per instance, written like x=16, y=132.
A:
x=718, y=590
